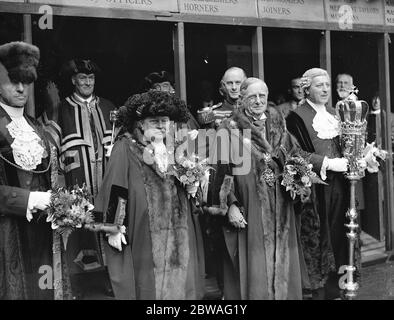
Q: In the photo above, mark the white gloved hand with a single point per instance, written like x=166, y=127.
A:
x=337, y=164
x=108, y=150
x=362, y=163
x=116, y=240
x=39, y=200
x=236, y=218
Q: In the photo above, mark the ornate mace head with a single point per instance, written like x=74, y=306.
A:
x=353, y=119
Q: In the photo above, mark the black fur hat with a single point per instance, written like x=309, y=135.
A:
x=152, y=104
x=75, y=66
x=156, y=77
x=20, y=59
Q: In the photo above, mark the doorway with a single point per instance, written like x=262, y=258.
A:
x=356, y=54
x=209, y=51
x=288, y=53
x=125, y=50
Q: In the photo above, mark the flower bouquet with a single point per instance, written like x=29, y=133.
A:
x=190, y=170
x=71, y=209
x=370, y=155
x=298, y=177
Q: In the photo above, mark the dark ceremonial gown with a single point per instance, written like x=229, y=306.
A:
x=261, y=261
x=24, y=246
x=80, y=136
x=332, y=199
x=163, y=258
x=212, y=225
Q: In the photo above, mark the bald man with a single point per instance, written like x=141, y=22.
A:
x=211, y=117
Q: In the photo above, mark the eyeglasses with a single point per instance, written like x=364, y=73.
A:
x=164, y=86
x=254, y=98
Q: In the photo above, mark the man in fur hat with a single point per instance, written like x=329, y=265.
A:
x=164, y=81
x=81, y=129
x=25, y=241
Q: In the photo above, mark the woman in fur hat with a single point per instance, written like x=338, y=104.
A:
x=160, y=256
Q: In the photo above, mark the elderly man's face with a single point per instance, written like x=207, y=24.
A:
x=255, y=98
x=344, y=85
x=296, y=90
x=232, y=81
x=84, y=84
x=319, y=91
x=164, y=86
x=155, y=128
x=12, y=94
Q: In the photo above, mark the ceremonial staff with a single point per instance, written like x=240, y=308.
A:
x=352, y=115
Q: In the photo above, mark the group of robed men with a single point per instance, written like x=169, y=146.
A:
x=253, y=256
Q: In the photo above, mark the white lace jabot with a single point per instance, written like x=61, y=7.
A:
x=325, y=124
x=27, y=147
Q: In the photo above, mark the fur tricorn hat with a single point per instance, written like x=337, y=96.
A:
x=156, y=77
x=75, y=66
x=20, y=59
x=152, y=104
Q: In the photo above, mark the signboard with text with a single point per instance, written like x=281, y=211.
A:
x=148, y=5
x=232, y=8
x=389, y=12
x=299, y=10
x=346, y=13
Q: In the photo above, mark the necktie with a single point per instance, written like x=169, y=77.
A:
x=260, y=124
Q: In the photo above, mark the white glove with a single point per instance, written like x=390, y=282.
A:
x=337, y=164
x=236, y=218
x=116, y=240
x=192, y=188
x=38, y=200
x=108, y=150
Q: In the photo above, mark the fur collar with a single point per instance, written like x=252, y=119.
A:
x=276, y=130
x=168, y=211
x=267, y=158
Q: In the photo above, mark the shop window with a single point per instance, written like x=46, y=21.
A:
x=288, y=53
x=125, y=50
x=11, y=27
x=357, y=55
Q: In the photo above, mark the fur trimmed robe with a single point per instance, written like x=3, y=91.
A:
x=163, y=258
x=262, y=261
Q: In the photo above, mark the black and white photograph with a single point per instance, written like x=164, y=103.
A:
x=209, y=151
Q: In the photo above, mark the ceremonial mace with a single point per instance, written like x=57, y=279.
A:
x=352, y=115
x=113, y=118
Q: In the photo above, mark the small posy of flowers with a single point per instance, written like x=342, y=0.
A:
x=370, y=155
x=69, y=209
x=298, y=177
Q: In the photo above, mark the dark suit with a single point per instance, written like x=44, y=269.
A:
x=24, y=246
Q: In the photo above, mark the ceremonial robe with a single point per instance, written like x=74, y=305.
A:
x=164, y=256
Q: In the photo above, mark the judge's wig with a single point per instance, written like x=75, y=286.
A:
x=307, y=77
x=152, y=104
x=20, y=59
